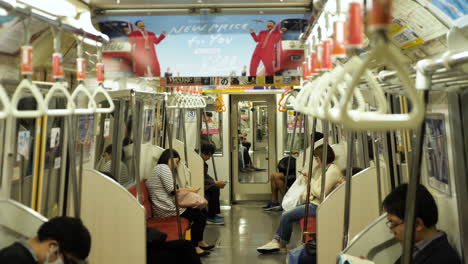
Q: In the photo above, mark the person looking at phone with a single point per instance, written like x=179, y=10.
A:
x=212, y=188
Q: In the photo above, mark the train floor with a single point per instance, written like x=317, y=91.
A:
x=246, y=227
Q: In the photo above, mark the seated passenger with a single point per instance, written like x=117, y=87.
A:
x=60, y=240
x=105, y=166
x=277, y=179
x=212, y=188
x=431, y=245
x=284, y=230
x=354, y=171
x=161, y=191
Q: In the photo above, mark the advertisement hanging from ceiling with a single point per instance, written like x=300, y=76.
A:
x=204, y=45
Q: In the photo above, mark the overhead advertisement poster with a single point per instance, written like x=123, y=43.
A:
x=450, y=10
x=204, y=46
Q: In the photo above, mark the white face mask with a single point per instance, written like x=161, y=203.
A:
x=57, y=261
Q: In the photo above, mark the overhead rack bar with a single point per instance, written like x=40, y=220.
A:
x=55, y=22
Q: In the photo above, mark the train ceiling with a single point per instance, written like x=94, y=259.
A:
x=221, y=6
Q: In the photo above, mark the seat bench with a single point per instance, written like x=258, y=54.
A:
x=167, y=225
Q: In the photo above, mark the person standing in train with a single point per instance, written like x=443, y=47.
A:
x=431, y=245
x=161, y=192
x=285, y=228
x=145, y=59
x=265, y=49
x=59, y=240
x=212, y=188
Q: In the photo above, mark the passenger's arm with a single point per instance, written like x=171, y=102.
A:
x=254, y=36
x=165, y=174
x=157, y=40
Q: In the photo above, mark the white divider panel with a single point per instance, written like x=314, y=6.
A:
x=330, y=220
x=195, y=166
x=148, y=159
x=340, y=155
x=17, y=222
x=376, y=243
x=115, y=219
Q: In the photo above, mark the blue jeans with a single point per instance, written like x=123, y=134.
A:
x=284, y=231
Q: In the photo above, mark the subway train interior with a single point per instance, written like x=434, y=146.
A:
x=241, y=131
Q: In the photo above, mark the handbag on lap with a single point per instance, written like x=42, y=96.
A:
x=191, y=200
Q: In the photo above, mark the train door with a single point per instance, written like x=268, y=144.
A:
x=253, y=135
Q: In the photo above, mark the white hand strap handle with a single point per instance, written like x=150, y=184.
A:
x=91, y=103
x=59, y=87
x=5, y=103
x=360, y=120
x=110, y=109
x=302, y=98
x=26, y=84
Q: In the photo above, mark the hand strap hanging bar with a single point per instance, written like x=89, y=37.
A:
x=348, y=188
x=309, y=179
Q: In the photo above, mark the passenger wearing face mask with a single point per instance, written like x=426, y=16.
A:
x=60, y=240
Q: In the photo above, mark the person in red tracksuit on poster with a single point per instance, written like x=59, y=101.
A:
x=265, y=50
x=145, y=60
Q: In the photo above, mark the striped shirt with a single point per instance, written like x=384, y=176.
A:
x=160, y=188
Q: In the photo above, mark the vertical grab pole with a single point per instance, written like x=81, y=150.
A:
x=348, y=189
x=324, y=159
x=306, y=139
x=136, y=141
x=184, y=134
x=410, y=214
x=309, y=178
x=377, y=166
x=72, y=155
x=209, y=140
x=291, y=146
x=174, y=171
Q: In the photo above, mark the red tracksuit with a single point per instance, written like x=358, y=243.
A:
x=145, y=60
x=265, y=51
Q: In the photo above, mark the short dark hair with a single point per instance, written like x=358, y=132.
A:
x=317, y=136
x=271, y=21
x=72, y=236
x=426, y=207
x=354, y=171
x=318, y=152
x=108, y=150
x=166, y=155
x=138, y=21
x=209, y=114
x=208, y=149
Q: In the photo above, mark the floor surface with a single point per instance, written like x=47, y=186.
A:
x=247, y=227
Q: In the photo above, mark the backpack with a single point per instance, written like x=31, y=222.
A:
x=283, y=166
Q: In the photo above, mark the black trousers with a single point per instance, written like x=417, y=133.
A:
x=212, y=196
x=198, y=219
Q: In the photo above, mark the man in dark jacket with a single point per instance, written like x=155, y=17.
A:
x=431, y=245
x=60, y=240
x=212, y=188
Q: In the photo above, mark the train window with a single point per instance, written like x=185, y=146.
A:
x=290, y=118
x=294, y=28
x=215, y=126
x=436, y=153
x=159, y=125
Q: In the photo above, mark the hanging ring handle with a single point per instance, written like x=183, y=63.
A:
x=101, y=90
x=282, y=108
x=5, y=102
x=359, y=120
x=24, y=85
x=91, y=103
x=59, y=87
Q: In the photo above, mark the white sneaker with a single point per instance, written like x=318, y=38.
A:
x=269, y=247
